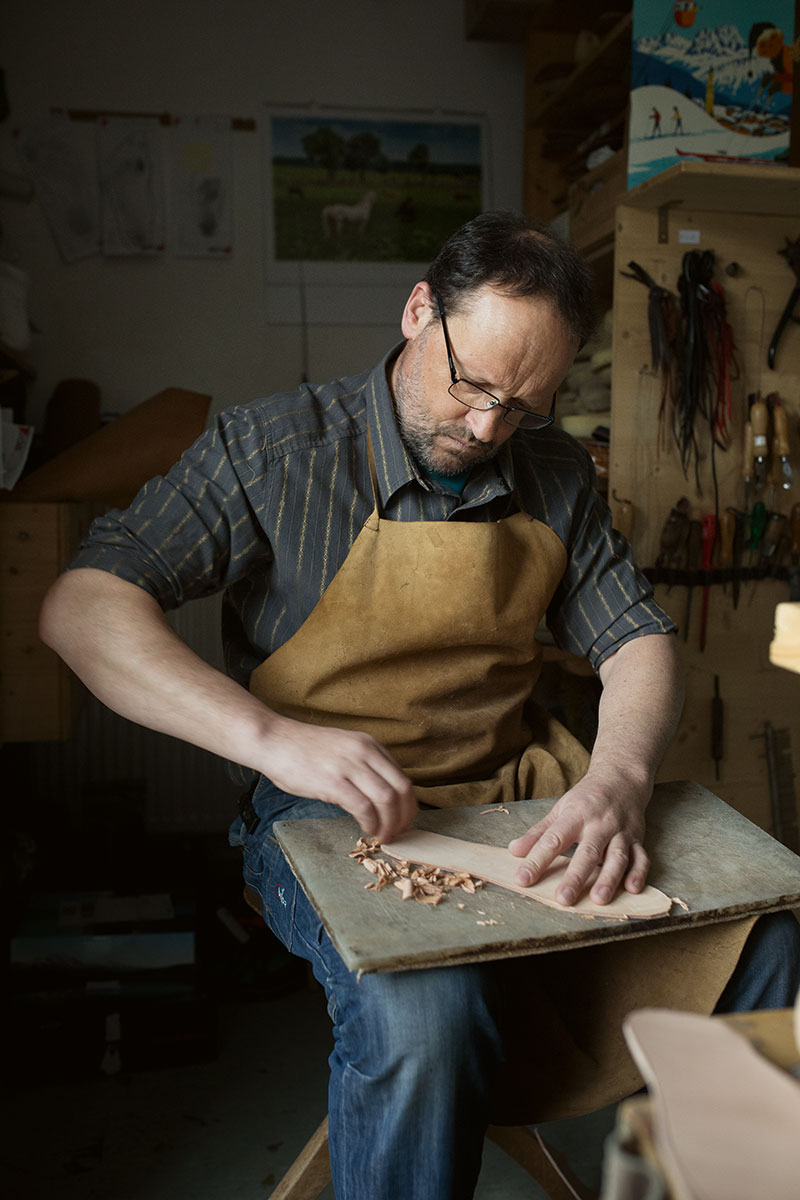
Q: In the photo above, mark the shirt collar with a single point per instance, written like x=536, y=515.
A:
x=394, y=466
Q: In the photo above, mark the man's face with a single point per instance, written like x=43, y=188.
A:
x=517, y=348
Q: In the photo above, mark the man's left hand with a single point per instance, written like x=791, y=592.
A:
x=607, y=832
x=603, y=814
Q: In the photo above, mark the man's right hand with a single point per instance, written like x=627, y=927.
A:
x=351, y=770
x=116, y=639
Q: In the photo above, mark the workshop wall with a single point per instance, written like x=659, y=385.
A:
x=135, y=326
x=752, y=761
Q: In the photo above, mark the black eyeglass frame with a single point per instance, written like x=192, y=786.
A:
x=541, y=421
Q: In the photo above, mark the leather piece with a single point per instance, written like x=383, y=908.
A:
x=725, y=1120
x=498, y=865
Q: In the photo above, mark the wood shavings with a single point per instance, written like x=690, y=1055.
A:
x=497, y=808
x=491, y=921
x=426, y=884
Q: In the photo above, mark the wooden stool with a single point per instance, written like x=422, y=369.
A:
x=310, y=1173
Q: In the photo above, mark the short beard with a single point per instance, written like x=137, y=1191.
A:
x=420, y=436
x=422, y=444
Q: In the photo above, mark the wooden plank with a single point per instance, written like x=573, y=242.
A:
x=702, y=850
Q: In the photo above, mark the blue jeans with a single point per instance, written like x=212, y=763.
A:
x=416, y=1053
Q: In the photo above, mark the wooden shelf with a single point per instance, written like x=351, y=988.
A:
x=512, y=20
x=603, y=76
x=722, y=187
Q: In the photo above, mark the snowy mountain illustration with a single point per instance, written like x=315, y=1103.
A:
x=683, y=64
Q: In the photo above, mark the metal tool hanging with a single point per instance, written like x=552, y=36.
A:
x=791, y=252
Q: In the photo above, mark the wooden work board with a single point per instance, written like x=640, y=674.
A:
x=703, y=851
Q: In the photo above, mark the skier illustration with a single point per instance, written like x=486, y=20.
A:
x=677, y=120
x=655, y=117
x=768, y=42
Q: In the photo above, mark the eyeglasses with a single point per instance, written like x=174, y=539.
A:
x=472, y=395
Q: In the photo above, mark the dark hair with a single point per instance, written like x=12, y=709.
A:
x=519, y=257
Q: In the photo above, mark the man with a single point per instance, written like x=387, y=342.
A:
x=388, y=544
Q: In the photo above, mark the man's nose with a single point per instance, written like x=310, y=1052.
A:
x=483, y=423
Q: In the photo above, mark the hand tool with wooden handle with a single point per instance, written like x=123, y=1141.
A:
x=708, y=533
x=773, y=531
x=780, y=441
x=726, y=528
x=673, y=535
x=759, y=419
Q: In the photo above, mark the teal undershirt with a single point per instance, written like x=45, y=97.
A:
x=453, y=483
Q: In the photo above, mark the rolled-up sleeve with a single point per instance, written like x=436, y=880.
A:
x=195, y=530
x=603, y=599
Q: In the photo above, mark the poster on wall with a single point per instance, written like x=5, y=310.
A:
x=201, y=187
x=131, y=188
x=63, y=168
x=710, y=82
x=361, y=201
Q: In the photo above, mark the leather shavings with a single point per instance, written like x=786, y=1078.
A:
x=497, y=808
x=427, y=885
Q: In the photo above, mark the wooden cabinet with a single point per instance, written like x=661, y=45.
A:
x=566, y=122
x=39, y=696
x=743, y=214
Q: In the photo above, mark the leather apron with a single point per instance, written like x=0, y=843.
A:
x=425, y=639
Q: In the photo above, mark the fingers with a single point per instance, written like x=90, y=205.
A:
x=350, y=770
x=608, y=853
x=622, y=863
x=539, y=847
x=380, y=797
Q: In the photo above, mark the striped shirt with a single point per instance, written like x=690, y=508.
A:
x=267, y=504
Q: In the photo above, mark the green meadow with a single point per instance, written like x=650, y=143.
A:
x=413, y=213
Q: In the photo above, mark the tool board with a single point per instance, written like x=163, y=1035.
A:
x=744, y=215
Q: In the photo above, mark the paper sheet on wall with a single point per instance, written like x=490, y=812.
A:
x=131, y=185
x=201, y=187
x=62, y=164
x=15, y=444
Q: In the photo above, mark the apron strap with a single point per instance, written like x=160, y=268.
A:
x=373, y=519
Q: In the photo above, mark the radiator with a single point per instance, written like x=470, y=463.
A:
x=187, y=790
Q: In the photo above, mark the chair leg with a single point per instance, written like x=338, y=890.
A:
x=310, y=1173
x=544, y=1164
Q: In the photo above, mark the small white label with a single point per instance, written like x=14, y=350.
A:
x=689, y=237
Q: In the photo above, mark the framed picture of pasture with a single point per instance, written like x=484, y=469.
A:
x=357, y=203
x=352, y=188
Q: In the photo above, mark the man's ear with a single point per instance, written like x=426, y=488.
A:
x=418, y=311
